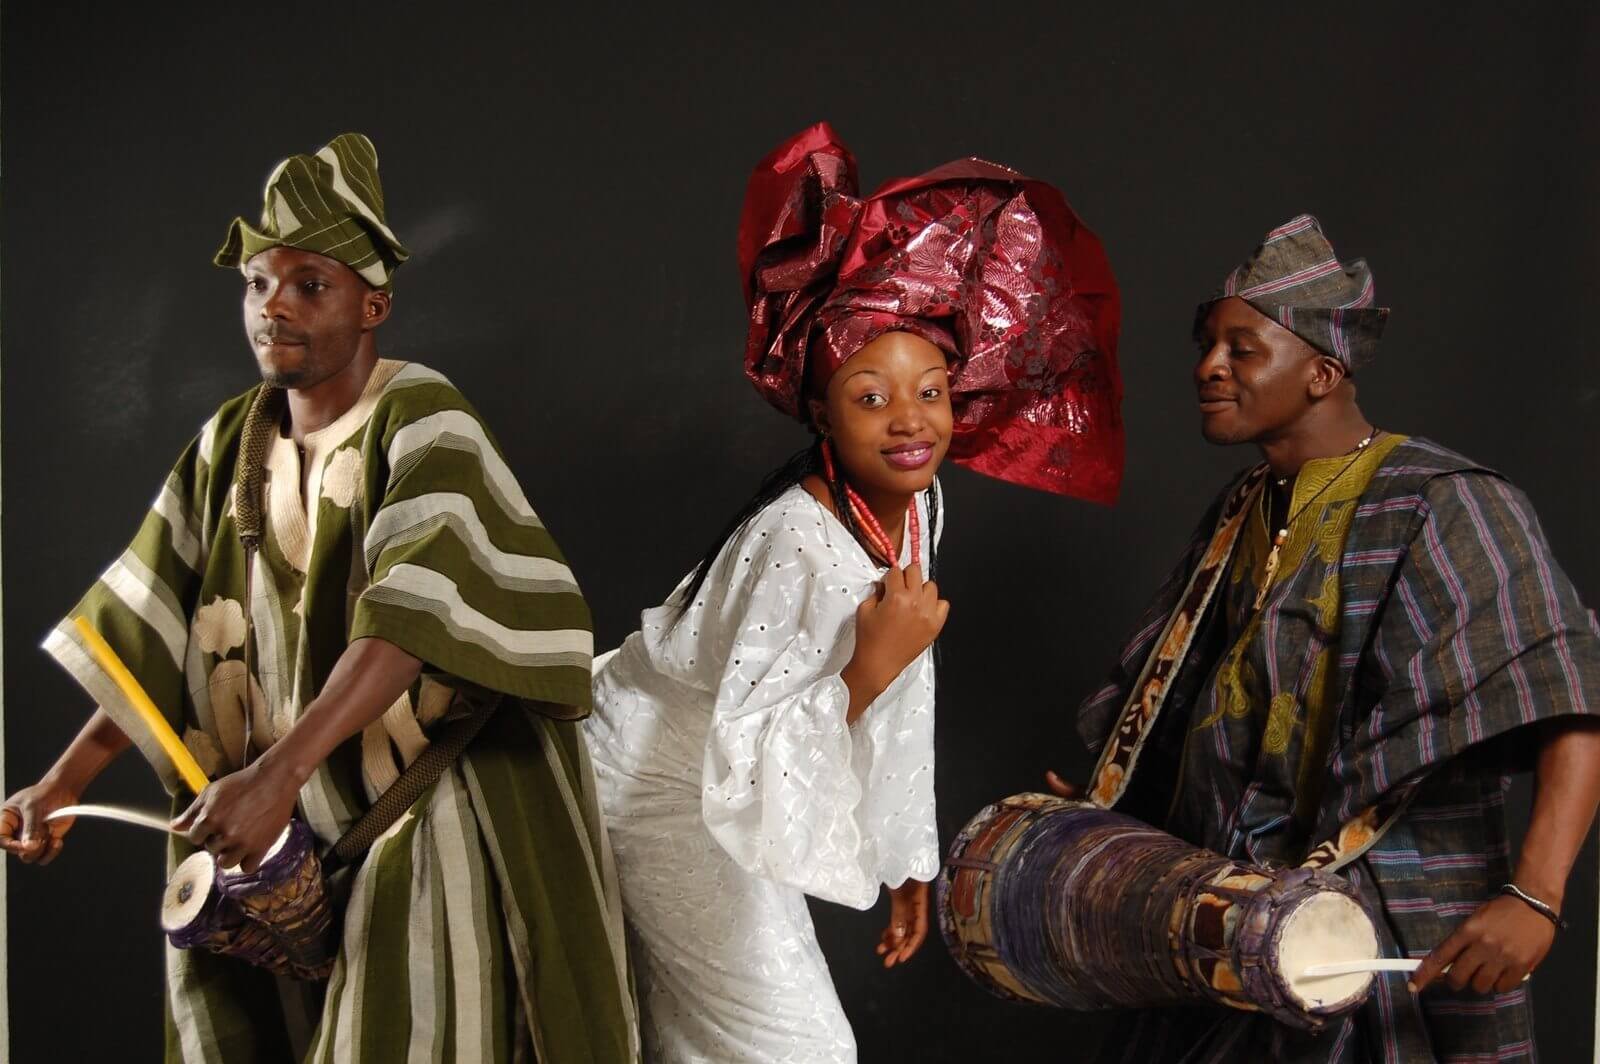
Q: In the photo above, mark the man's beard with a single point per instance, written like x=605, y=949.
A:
x=1226, y=438
x=286, y=379
x=306, y=373
x=319, y=364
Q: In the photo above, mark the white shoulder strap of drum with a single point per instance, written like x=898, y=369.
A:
x=1115, y=767
x=1358, y=834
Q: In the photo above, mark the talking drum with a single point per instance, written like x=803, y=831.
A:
x=1064, y=903
x=195, y=915
x=277, y=917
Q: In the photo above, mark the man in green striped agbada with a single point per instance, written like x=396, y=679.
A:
x=400, y=580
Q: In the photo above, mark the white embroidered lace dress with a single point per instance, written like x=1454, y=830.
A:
x=732, y=786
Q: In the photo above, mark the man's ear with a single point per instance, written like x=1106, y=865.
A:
x=1326, y=375
x=375, y=308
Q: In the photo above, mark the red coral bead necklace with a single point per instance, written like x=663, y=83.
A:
x=871, y=529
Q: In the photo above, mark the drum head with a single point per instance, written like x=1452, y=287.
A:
x=187, y=892
x=1323, y=929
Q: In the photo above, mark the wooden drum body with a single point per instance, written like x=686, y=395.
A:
x=1064, y=903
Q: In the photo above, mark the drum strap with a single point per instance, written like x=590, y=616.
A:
x=421, y=774
x=1114, y=770
x=261, y=424
x=1358, y=834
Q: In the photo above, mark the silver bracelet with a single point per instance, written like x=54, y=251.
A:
x=1535, y=904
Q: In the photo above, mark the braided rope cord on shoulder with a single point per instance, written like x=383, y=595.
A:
x=260, y=425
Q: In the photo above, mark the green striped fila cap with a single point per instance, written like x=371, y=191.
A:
x=330, y=203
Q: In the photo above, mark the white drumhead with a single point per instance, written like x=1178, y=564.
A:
x=187, y=891
x=1323, y=929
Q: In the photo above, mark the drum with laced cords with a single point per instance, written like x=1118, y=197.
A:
x=278, y=917
x=1064, y=903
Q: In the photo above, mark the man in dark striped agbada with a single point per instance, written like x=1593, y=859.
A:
x=1389, y=640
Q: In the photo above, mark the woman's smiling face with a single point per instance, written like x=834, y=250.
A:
x=887, y=411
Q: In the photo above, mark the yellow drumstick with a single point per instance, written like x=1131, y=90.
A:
x=171, y=745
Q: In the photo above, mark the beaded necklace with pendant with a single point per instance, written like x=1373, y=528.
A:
x=1282, y=536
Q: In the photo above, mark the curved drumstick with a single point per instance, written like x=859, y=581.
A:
x=137, y=817
x=188, y=768
x=1379, y=964
x=1371, y=964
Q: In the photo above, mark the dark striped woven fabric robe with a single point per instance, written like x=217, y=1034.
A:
x=1417, y=626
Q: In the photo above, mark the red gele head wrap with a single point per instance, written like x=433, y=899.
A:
x=991, y=266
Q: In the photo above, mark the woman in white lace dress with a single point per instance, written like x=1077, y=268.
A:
x=774, y=739
x=768, y=732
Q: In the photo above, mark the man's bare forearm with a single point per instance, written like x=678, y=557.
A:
x=1566, y=793
x=98, y=743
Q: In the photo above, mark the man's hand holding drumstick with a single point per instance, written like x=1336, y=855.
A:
x=240, y=816
x=24, y=831
x=1508, y=936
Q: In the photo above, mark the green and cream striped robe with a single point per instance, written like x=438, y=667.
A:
x=484, y=926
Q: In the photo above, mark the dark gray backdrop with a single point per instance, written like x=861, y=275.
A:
x=571, y=187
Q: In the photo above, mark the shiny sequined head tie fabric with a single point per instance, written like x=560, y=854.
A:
x=330, y=203
x=989, y=265
x=1295, y=279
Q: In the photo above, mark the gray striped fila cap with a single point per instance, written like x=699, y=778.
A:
x=1295, y=279
x=330, y=203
